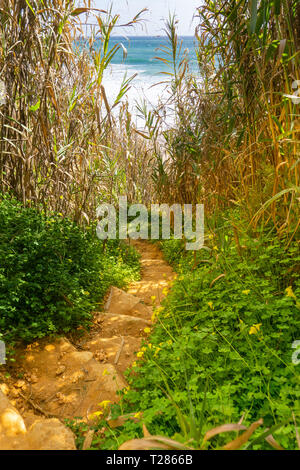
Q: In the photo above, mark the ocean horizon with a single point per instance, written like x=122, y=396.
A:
x=142, y=53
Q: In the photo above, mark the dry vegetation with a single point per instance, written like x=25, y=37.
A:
x=61, y=147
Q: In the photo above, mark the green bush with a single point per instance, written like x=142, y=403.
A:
x=52, y=272
x=222, y=345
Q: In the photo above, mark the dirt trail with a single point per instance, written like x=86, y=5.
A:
x=67, y=380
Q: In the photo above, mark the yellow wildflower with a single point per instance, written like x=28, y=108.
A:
x=289, y=292
x=140, y=354
x=153, y=298
x=210, y=304
x=147, y=330
x=96, y=414
x=156, y=312
x=255, y=329
x=134, y=364
x=246, y=292
x=105, y=372
x=165, y=291
x=104, y=404
x=138, y=415
x=169, y=342
x=157, y=351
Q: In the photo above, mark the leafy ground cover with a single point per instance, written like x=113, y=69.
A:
x=53, y=273
x=221, y=347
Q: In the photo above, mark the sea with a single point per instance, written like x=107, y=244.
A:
x=142, y=54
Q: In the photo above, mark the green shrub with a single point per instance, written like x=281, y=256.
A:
x=52, y=272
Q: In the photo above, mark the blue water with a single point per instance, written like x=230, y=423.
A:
x=143, y=50
x=141, y=59
x=142, y=53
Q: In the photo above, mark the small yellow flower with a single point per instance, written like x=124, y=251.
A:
x=147, y=330
x=165, y=291
x=255, y=329
x=105, y=372
x=104, y=404
x=169, y=342
x=140, y=354
x=153, y=298
x=246, y=292
x=150, y=346
x=210, y=304
x=157, y=351
x=138, y=415
x=290, y=293
x=134, y=364
x=96, y=414
x=143, y=349
x=216, y=248
x=156, y=312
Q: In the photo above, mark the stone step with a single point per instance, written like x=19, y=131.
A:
x=70, y=383
x=116, y=350
x=148, y=289
x=126, y=304
x=114, y=324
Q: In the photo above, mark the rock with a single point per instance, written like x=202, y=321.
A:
x=126, y=304
x=50, y=434
x=4, y=389
x=124, y=325
x=78, y=358
x=11, y=422
x=114, y=348
x=104, y=383
x=60, y=370
x=20, y=384
x=43, y=434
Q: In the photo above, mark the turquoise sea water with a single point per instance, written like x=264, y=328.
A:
x=141, y=53
x=143, y=50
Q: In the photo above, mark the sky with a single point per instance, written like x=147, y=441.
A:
x=158, y=10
